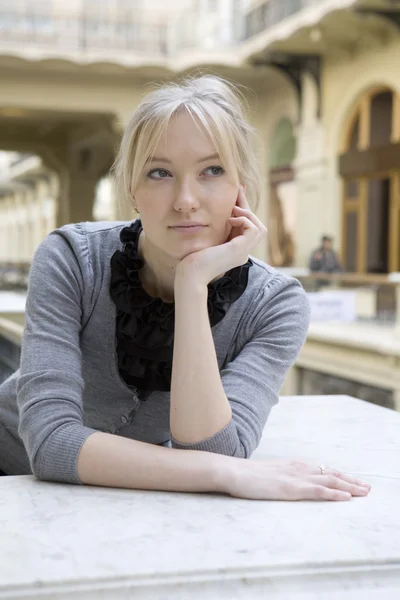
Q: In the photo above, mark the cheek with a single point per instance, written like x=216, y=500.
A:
x=152, y=202
x=223, y=197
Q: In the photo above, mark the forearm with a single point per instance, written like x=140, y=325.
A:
x=113, y=461
x=199, y=406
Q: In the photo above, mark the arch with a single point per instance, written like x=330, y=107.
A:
x=366, y=102
x=348, y=105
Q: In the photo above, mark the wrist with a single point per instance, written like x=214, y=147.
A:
x=186, y=283
x=225, y=472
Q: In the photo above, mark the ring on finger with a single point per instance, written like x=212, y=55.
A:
x=322, y=469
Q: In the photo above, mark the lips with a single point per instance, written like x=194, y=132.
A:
x=187, y=225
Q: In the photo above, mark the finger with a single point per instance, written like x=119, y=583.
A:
x=242, y=199
x=244, y=219
x=332, y=482
x=247, y=225
x=251, y=216
x=348, y=478
x=319, y=492
x=244, y=234
x=351, y=479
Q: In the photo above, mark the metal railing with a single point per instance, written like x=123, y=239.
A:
x=271, y=13
x=82, y=32
x=126, y=31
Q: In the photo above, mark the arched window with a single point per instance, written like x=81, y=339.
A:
x=370, y=168
x=283, y=147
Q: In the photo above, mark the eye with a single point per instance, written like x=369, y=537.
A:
x=163, y=174
x=215, y=170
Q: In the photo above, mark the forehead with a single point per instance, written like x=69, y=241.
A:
x=185, y=134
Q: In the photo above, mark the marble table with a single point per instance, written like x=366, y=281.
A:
x=62, y=542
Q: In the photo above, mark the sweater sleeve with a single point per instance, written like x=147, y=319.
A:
x=275, y=332
x=50, y=384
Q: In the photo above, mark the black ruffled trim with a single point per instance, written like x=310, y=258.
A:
x=145, y=325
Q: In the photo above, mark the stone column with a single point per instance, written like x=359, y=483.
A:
x=78, y=177
x=19, y=238
x=315, y=216
x=81, y=197
x=397, y=326
x=39, y=212
x=11, y=228
x=31, y=218
x=25, y=226
x=3, y=229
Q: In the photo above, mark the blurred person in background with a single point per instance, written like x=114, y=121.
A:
x=324, y=259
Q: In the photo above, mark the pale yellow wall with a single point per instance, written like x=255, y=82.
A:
x=70, y=92
x=274, y=101
x=314, y=217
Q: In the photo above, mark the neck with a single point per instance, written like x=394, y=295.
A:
x=158, y=273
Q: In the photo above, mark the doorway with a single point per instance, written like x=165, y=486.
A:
x=378, y=210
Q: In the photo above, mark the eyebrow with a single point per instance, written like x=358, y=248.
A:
x=166, y=160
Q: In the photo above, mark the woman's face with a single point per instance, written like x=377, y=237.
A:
x=184, y=185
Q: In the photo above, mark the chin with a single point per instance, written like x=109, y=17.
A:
x=179, y=253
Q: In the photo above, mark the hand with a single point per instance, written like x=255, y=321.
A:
x=289, y=480
x=211, y=263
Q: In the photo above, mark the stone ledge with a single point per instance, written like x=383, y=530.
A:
x=91, y=542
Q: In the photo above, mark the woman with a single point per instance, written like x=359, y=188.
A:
x=163, y=332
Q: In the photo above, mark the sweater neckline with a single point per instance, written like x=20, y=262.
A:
x=145, y=324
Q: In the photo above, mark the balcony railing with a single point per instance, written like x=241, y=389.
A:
x=271, y=13
x=82, y=33
x=132, y=33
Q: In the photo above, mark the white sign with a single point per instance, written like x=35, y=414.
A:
x=335, y=305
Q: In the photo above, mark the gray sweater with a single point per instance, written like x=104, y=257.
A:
x=68, y=385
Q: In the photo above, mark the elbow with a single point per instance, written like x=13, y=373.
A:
x=43, y=465
x=236, y=447
x=227, y=442
x=37, y=472
x=54, y=455
x=34, y=464
x=48, y=465
x=241, y=450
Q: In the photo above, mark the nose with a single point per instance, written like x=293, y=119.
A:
x=186, y=199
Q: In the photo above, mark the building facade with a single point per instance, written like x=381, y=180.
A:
x=322, y=80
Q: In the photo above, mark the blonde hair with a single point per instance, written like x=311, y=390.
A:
x=218, y=106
